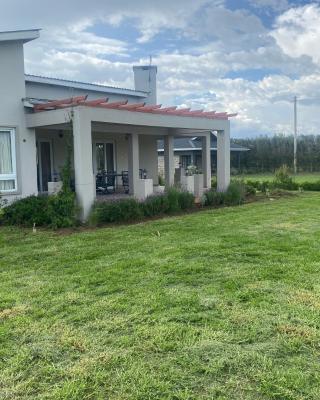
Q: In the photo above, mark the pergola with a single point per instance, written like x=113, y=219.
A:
x=133, y=120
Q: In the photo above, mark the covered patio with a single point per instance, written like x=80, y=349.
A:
x=133, y=129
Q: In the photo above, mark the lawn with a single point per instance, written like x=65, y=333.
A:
x=301, y=177
x=221, y=304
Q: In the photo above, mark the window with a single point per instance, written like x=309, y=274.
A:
x=8, y=175
x=185, y=161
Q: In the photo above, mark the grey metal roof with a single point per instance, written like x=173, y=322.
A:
x=84, y=85
x=194, y=144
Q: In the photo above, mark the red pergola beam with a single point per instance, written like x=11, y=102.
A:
x=123, y=105
x=115, y=104
x=57, y=103
x=132, y=106
x=166, y=109
x=95, y=102
x=149, y=108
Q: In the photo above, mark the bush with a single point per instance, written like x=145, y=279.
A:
x=283, y=180
x=129, y=210
x=62, y=210
x=250, y=190
x=58, y=211
x=173, y=200
x=28, y=211
x=126, y=210
x=213, y=198
x=260, y=186
x=312, y=186
x=155, y=205
x=214, y=182
x=234, y=195
x=161, y=180
x=186, y=200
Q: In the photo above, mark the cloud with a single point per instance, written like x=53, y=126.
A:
x=297, y=32
x=196, y=45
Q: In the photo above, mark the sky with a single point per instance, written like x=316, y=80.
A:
x=249, y=57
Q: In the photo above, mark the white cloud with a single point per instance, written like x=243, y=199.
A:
x=219, y=41
x=297, y=32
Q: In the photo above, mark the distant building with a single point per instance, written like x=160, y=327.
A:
x=188, y=151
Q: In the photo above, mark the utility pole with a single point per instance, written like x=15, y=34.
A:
x=295, y=135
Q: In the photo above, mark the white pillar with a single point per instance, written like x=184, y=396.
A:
x=223, y=159
x=133, y=163
x=169, y=166
x=84, y=179
x=206, y=160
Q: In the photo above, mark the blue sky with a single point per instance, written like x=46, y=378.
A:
x=244, y=56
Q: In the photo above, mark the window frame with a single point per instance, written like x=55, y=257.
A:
x=13, y=175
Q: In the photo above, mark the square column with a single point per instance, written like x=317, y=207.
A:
x=223, y=159
x=206, y=160
x=133, y=163
x=84, y=180
x=169, y=166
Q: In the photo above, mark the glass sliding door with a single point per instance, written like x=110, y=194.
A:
x=44, y=149
x=104, y=157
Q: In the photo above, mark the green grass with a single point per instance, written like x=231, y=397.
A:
x=301, y=177
x=221, y=304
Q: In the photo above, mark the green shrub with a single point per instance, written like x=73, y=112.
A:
x=186, y=200
x=126, y=210
x=155, y=205
x=235, y=194
x=173, y=200
x=260, y=186
x=28, y=211
x=283, y=180
x=161, y=180
x=62, y=210
x=250, y=189
x=212, y=198
x=312, y=186
x=214, y=182
x=58, y=211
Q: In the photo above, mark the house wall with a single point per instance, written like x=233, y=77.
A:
x=12, y=86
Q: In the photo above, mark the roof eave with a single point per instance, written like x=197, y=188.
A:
x=23, y=36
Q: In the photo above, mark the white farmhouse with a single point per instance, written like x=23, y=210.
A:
x=111, y=129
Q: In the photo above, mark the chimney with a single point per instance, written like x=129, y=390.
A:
x=145, y=80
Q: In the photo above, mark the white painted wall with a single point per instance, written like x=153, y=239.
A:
x=145, y=79
x=12, y=86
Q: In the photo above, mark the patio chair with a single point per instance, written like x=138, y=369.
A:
x=101, y=184
x=125, y=181
x=143, y=173
x=111, y=182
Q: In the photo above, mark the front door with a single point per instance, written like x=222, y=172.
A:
x=44, y=148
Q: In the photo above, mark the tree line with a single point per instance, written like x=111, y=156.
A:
x=269, y=153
